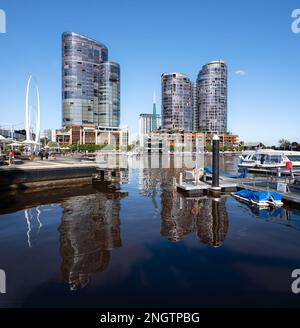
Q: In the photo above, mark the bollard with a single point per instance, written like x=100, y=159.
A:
x=216, y=161
x=180, y=178
x=279, y=172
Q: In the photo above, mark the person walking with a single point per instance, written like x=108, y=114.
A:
x=41, y=154
x=11, y=157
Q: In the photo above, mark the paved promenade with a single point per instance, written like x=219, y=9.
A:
x=39, y=164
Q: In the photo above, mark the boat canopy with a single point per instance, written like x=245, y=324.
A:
x=259, y=196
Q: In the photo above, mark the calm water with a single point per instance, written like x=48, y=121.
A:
x=146, y=245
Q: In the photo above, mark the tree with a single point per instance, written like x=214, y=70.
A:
x=284, y=144
x=52, y=144
x=295, y=145
x=91, y=148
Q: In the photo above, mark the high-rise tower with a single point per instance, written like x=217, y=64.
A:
x=177, y=101
x=211, y=109
x=90, y=83
x=109, y=96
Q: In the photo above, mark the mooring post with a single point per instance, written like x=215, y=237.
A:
x=180, y=178
x=216, y=162
x=215, y=188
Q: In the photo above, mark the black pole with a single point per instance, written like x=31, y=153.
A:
x=216, y=161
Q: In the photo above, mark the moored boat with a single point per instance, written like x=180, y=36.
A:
x=269, y=159
x=262, y=199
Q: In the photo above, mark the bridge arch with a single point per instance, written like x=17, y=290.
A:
x=27, y=112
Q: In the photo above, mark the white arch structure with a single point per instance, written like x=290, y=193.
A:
x=28, y=116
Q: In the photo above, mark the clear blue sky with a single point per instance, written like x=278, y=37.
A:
x=148, y=38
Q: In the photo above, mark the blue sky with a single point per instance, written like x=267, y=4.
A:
x=148, y=38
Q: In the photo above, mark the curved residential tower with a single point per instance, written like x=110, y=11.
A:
x=211, y=95
x=109, y=96
x=177, y=101
x=81, y=57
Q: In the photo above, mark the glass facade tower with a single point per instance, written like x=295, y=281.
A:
x=177, y=101
x=109, y=101
x=211, y=96
x=90, y=84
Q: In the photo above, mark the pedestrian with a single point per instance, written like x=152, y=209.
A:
x=41, y=154
x=46, y=154
x=11, y=157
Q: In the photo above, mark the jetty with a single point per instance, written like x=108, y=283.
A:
x=285, y=184
x=291, y=194
x=63, y=172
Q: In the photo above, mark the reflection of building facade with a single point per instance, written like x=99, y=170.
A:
x=177, y=222
x=181, y=216
x=212, y=222
x=177, y=101
x=149, y=183
x=91, y=134
x=176, y=219
x=89, y=230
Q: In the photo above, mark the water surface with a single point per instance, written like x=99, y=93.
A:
x=143, y=244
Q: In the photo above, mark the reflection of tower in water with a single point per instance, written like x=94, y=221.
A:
x=89, y=230
x=181, y=216
x=149, y=181
x=212, y=223
x=177, y=222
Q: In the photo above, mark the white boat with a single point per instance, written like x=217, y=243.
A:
x=269, y=159
x=293, y=156
x=246, y=153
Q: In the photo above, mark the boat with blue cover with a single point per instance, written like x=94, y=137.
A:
x=260, y=198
